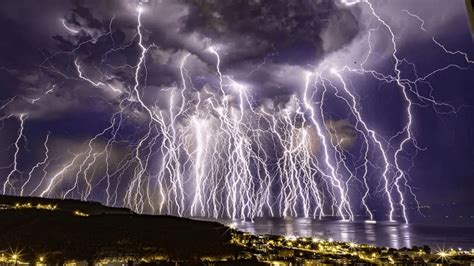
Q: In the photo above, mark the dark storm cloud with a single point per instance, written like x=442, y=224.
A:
x=263, y=43
x=41, y=74
x=256, y=28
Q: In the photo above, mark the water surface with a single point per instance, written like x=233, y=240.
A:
x=396, y=235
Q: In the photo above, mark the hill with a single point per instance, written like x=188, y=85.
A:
x=61, y=230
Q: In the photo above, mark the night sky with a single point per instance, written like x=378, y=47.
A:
x=265, y=45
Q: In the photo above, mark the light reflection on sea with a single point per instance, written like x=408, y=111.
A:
x=396, y=235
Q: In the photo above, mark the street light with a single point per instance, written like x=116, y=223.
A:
x=15, y=257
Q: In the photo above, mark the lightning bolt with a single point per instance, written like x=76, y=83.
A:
x=14, y=170
x=37, y=165
x=217, y=152
x=71, y=30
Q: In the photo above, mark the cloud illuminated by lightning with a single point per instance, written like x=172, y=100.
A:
x=216, y=152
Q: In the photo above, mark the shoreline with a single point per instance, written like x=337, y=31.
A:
x=45, y=232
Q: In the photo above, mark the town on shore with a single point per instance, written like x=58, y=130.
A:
x=69, y=232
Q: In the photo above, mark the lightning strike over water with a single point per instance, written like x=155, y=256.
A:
x=207, y=145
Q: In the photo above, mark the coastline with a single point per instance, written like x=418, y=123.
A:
x=48, y=231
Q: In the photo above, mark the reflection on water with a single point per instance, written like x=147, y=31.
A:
x=394, y=235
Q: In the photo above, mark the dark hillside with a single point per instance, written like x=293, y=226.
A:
x=61, y=234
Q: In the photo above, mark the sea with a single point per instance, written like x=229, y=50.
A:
x=387, y=234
